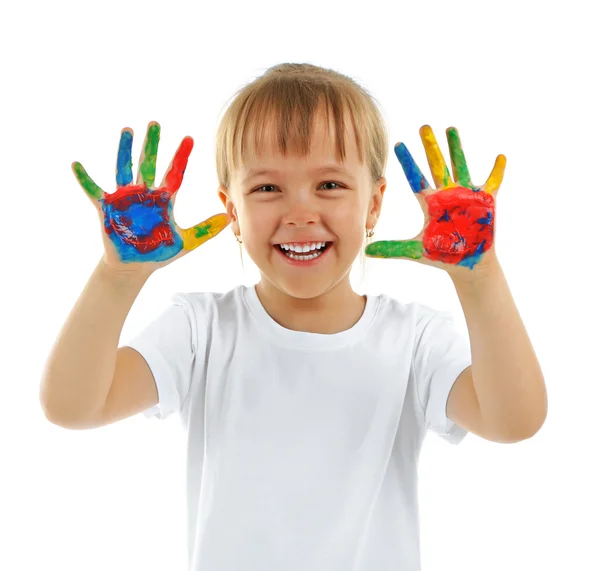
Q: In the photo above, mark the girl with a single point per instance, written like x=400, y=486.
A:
x=305, y=404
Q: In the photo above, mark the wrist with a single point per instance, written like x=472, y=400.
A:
x=489, y=269
x=123, y=276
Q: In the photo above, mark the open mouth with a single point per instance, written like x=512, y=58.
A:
x=304, y=256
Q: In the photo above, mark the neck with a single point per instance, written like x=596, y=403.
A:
x=331, y=312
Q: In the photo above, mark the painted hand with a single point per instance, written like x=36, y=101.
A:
x=458, y=234
x=138, y=218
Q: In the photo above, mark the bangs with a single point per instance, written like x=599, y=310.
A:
x=278, y=112
x=285, y=128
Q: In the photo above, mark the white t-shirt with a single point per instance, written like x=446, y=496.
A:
x=302, y=447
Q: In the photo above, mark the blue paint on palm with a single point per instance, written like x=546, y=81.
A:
x=140, y=219
x=471, y=261
x=486, y=220
x=140, y=225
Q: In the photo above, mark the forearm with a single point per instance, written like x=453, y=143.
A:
x=81, y=365
x=507, y=376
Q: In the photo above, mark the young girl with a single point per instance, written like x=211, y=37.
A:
x=305, y=404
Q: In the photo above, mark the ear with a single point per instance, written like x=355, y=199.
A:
x=223, y=194
x=229, y=208
x=376, y=202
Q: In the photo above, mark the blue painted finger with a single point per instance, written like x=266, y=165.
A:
x=124, y=174
x=415, y=177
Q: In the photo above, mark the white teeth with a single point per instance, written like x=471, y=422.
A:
x=301, y=249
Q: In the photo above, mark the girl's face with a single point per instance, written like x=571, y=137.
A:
x=303, y=200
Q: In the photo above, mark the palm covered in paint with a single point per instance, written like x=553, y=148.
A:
x=138, y=218
x=459, y=217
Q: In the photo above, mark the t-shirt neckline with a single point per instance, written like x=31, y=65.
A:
x=315, y=341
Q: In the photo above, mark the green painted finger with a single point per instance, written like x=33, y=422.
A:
x=86, y=182
x=148, y=164
x=395, y=249
x=457, y=156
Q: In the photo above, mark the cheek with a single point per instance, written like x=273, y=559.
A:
x=349, y=222
x=257, y=226
x=250, y=219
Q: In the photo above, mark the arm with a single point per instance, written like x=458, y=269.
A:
x=506, y=375
x=79, y=370
x=502, y=395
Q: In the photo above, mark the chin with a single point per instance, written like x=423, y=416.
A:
x=302, y=283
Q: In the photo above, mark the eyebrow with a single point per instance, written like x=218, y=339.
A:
x=326, y=168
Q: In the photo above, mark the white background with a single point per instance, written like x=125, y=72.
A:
x=518, y=78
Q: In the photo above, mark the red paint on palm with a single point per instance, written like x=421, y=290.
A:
x=461, y=224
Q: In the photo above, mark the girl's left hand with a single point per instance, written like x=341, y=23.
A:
x=458, y=235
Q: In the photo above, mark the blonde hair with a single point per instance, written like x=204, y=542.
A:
x=292, y=94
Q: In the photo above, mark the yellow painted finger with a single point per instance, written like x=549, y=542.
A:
x=197, y=235
x=437, y=164
x=492, y=184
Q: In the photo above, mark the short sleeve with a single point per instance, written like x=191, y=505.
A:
x=441, y=354
x=168, y=344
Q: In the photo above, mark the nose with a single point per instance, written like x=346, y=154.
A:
x=301, y=210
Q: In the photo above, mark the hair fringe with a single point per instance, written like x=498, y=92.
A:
x=290, y=95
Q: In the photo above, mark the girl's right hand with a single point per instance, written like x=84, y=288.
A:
x=139, y=232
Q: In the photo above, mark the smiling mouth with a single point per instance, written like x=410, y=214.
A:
x=321, y=250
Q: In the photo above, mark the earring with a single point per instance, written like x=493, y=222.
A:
x=238, y=238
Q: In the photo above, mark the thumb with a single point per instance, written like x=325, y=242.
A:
x=200, y=233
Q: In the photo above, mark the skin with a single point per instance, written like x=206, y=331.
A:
x=317, y=299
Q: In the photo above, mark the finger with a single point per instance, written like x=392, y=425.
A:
x=147, y=168
x=124, y=174
x=196, y=235
x=91, y=188
x=174, y=175
x=437, y=164
x=395, y=249
x=412, y=172
x=460, y=170
x=492, y=184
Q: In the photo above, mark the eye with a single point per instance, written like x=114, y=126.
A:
x=273, y=186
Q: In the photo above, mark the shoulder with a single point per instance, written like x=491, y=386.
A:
x=207, y=306
x=204, y=301
x=420, y=324
x=414, y=312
